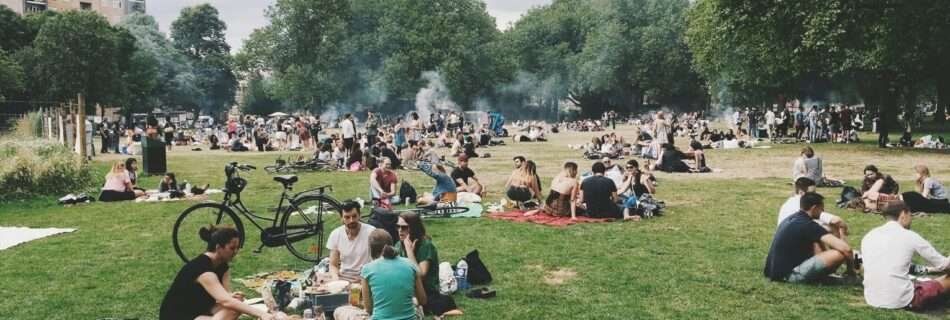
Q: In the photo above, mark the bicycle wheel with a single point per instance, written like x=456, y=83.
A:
x=271, y=169
x=185, y=239
x=302, y=226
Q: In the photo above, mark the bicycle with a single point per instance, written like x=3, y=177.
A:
x=297, y=223
x=287, y=166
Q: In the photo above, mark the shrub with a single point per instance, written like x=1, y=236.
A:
x=35, y=167
x=30, y=125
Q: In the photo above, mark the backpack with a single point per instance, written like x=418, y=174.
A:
x=848, y=194
x=386, y=220
x=477, y=272
x=407, y=192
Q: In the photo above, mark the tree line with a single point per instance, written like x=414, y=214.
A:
x=625, y=55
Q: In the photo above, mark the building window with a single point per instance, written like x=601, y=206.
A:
x=85, y=6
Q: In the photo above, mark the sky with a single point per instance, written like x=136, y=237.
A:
x=243, y=16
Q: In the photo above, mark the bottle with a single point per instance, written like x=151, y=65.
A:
x=461, y=275
x=355, y=291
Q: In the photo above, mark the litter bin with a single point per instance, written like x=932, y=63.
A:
x=153, y=156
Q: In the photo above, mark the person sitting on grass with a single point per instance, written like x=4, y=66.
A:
x=465, y=180
x=887, y=252
x=563, y=194
x=119, y=186
x=696, y=154
x=443, y=183
x=414, y=244
x=598, y=194
x=930, y=196
x=877, y=188
x=348, y=244
x=809, y=166
x=834, y=224
x=202, y=288
x=383, y=183
x=389, y=284
x=802, y=251
x=635, y=184
x=521, y=185
x=355, y=160
x=671, y=160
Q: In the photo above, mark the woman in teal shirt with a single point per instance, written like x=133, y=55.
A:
x=388, y=286
x=417, y=246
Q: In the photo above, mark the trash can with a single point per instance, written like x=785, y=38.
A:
x=153, y=156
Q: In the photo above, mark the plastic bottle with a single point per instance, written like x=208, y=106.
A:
x=461, y=275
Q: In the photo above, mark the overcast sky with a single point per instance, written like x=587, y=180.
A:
x=243, y=16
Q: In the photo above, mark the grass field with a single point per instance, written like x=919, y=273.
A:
x=703, y=259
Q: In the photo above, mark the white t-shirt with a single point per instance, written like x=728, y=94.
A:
x=348, y=129
x=937, y=191
x=887, y=252
x=793, y=205
x=353, y=253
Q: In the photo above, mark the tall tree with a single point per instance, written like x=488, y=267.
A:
x=16, y=32
x=175, y=82
x=199, y=34
x=11, y=76
x=76, y=52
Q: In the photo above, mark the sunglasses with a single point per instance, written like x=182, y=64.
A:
x=403, y=226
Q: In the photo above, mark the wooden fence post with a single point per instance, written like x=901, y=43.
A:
x=81, y=127
x=62, y=126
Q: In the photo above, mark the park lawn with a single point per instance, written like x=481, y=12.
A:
x=703, y=259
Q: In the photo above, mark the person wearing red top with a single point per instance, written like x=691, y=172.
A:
x=383, y=182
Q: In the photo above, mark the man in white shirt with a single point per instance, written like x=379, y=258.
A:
x=349, y=132
x=887, y=252
x=770, y=123
x=349, y=244
x=835, y=225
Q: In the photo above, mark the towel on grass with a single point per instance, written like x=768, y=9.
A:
x=543, y=218
x=11, y=236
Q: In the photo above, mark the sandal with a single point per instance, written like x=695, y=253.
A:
x=481, y=293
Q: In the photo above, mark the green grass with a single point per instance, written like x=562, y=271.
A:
x=703, y=259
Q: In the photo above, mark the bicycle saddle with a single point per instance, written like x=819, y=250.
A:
x=287, y=181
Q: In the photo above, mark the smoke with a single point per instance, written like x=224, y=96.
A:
x=330, y=116
x=434, y=97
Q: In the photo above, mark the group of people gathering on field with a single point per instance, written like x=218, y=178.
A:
x=121, y=184
x=835, y=124
x=810, y=244
x=399, y=277
x=594, y=194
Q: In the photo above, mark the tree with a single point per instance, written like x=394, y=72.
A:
x=199, y=34
x=257, y=99
x=175, y=82
x=139, y=71
x=16, y=32
x=11, y=76
x=75, y=52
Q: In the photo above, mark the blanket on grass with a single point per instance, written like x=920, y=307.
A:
x=543, y=218
x=12, y=236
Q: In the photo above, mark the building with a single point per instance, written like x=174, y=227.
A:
x=113, y=10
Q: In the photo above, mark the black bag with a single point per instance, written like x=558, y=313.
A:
x=477, y=272
x=386, y=220
x=848, y=194
x=407, y=193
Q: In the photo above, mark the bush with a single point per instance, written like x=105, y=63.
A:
x=30, y=125
x=36, y=167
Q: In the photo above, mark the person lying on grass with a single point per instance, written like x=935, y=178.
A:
x=563, y=194
x=888, y=251
x=202, y=288
x=804, y=252
x=671, y=160
x=389, y=284
x=414, y=244
x=834, y=224
x=349, y=244
x=930, y=196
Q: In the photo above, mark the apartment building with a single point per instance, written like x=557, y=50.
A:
x=113, y=10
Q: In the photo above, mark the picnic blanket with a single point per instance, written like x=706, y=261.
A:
x=11, y=236
x=543, y=218
x=155, y=196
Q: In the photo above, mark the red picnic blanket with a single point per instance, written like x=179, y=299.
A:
x=543, y=218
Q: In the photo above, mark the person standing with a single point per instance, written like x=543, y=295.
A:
x=372, y=128
x=349, y=132
x=169, y=133
x=770, y=123
x=812, y=119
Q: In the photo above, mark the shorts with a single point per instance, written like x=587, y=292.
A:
x=809, y=271
x=924, y=293
x=519, y=194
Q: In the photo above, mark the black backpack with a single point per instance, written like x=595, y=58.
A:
x=477, y=271
x=386, y=220
x=407, y=193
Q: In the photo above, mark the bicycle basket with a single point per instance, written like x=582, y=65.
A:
x=236, y=185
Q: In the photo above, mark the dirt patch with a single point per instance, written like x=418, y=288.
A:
x=559, y=276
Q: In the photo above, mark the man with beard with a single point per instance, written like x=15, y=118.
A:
x=349, y=244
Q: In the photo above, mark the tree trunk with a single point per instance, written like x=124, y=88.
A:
x=943, y=99
x=887, y=114
x=910, y=106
